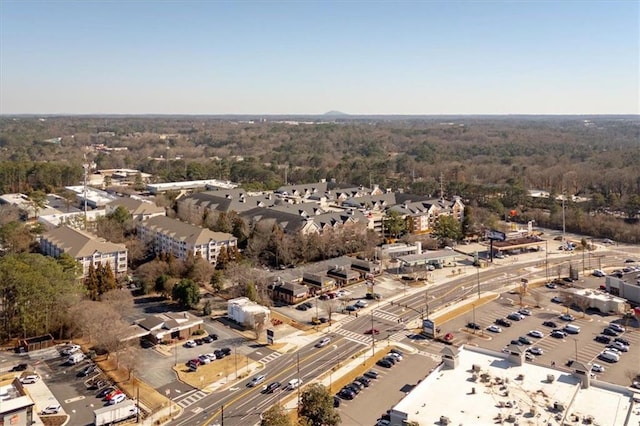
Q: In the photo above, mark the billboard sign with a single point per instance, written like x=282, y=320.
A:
x=496, y=235
x=270, y=336
x=428, y=328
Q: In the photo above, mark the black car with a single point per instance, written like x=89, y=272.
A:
x=272, y=387
x=106, y=391
x=372, y=374
x=622, y=340
x=524, y=340
x=345, y=394
x=302, y=307
x=355, y=388
x=365, y=381
x=199, y=341
x=396, y=351
x=336, y=402
x=87, y=370
x=20, y=367
x=308, y=304
x=208, y=339
x=514, y=316
x=226, y=351
x=516, y=342
x=391, y=359
x=603, y=339
x=550, y=324
x=473, y=326
x=558, y=334
x=629, y=261
x=219, y=354
x=610, y=332
x=503, y=322
x=384, y=363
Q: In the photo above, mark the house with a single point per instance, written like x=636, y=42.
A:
x=366, y=268
x=247, y=313
x=181, y=239
x=343, y=275
x=86, y=248
x=289, y=292
x=139, y=209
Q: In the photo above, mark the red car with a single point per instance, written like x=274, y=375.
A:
x=372, y=331
x=112, y=395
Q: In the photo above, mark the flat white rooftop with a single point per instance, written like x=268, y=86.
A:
x=500, y=390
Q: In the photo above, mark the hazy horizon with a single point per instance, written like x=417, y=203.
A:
x=431, y=58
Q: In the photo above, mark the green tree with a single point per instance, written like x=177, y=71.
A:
x=187, y=293
x=632, y=206
x=317, y=406
x=106, y=279
x=394, y=224
x=15, y=237
x=217, y=281
x=275, y=416
x=447, y=228
x=92, y=283
x=120, y=215
x=251, y=292
x=37, y=201
x=70, y=265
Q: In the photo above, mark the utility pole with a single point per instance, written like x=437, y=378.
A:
x=373, y=338
x=298, y=372
x=235, y=356
x=222, y=415
x=478, y=278
x=546, y=260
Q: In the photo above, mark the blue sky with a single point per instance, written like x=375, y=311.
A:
x=303, y=57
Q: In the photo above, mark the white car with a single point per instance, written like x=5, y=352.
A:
x=529, y=357
x=211, y=356
x=117, y=399
x=397, y=356
x=536, y=333
x=190, y=343
x=620, y=346
x=71, y=349
x=256, y=380
x=322, y=343
x=30, y=379
x=51, y=409
x=494, y=329
x=598, y=273
x=567, y=317
x=597, y=368
x=204, y=359
x=523, y=311
x=617, y=327
x=535, y=350
x=361, y=304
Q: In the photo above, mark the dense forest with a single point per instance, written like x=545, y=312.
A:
x=490, y=161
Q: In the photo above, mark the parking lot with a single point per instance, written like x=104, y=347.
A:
x=385, y=391
x=556, y=351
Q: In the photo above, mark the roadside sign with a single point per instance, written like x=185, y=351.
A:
x=496, y=235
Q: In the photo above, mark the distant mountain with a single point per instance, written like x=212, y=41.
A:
x=335, y=114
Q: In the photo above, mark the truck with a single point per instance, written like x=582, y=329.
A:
x=116, y=413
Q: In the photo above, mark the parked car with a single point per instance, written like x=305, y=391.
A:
x=598, y=273
x=346, y=394
x=353, y=388
x=597, y=368
x=190, y=344
x=364, y=380
x=51, y=409
x=558, y=334
x=514, y=316
x=494, y=329
x=550, y=324
x=603, y=339
x=256, y=380
x=117, y=399
x=396, y=356
x=71, y=349
x=207, y=339
x=30, y=379
x=616, y=327
x=106, y=391
x=525, y=312
x=535, y=350
x=336, y=401
x=323, y=342
x=384, y=363
x=361, y=304
x=536, y=334
x=556, y=299
x=113, y=394
x=372, y=374
x=525, y=340
x=89, y=369
x=517, y=342
x=620, y=346
x=199, y=341
x=302, y=307
x=473, y=326
x=397, y=351
x=503, y=322
x=610, y=332
x=567, y=317
x=351, y=308
x=551, y=285
x=204, y=359
x=622, y=340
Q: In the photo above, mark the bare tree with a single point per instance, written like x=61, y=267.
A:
x=259, y=324
x=129, y=359
x=119, y=300
x=329, y=306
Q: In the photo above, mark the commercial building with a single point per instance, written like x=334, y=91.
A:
x=86, y=248
x=168, y=326
x=626, y=286
x=247, y=313
x=16, y=406
x=181, y=239
x=475, y=386
x=159, y=188
x=594, y=299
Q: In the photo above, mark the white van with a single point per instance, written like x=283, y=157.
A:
x=609, y=356
x=75, y=358
x=572, y=329
x=293, y=384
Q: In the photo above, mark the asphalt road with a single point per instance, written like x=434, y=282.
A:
x=243, y=405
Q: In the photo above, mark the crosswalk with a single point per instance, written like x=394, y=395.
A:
x=192, y=398
x=268, y=358
x=385, y=315
x=353, y=336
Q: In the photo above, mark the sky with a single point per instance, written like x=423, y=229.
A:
x=310, y=57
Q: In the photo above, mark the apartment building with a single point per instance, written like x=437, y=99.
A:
x=86, y=248
x=181, y=239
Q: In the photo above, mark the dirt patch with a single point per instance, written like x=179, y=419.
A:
x=286, y=320
x=53, y=420
x=217, y=370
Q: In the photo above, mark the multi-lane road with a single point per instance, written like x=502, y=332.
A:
x=241, y=405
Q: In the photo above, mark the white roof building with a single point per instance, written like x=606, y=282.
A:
x=245, y=312
x=158, y=188
x=475, y=386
